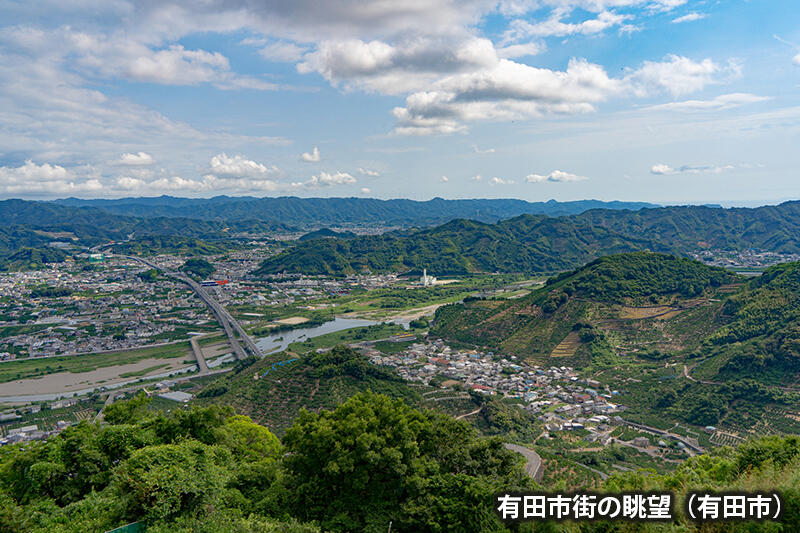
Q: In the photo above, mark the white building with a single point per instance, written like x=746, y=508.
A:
x=426, y=280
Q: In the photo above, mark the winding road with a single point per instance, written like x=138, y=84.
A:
x=533, y=464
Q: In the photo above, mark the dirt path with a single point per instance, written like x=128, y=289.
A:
x=475, y=412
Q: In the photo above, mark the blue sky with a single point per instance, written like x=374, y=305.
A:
x=668, y=101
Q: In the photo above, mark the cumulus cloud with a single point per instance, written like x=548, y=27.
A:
x=369, y=172
x=310, y=157
x=677, y=75
x=46, y=179
x=365, y=190
x=325, y=179
x=556, y=176
x=137, y=159
x=507, y=91
x=500, y=181
x=225, y=166
x=477, y=177
x=408, y=65
x=723, y=101
x=662, y=169
x=796, y=60
x=689, y=17
x=443, y=179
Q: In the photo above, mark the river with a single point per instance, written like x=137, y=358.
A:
x=282, y=339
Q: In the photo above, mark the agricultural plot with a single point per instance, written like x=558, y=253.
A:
x=568, y=346
x=636, y=313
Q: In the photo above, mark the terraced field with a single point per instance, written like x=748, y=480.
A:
x=568, y=346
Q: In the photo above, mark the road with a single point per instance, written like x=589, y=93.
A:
x=533, y=463
x=228, y=323
x=198, y=354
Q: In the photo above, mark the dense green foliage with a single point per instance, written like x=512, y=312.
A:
x=31, y=258
x=47, y=291
x=198, y=268
x=371, y=461
x=313, y=381
x=169, y=244
x=532, y=243
x=763, y=338
x=641, y=276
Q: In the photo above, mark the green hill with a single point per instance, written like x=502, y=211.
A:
x=288, y=383
x=762, y=340
x=32, y=258
x=326, y=233
x=625, y=301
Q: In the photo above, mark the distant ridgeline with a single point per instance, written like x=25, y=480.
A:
x=316, y=212
x=538, y=243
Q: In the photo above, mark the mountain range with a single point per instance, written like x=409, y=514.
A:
x=538, y=243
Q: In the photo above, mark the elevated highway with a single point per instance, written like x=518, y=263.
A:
x=228, y=323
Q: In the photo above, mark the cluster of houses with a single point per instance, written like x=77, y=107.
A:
x=107, y=310
x=561, y=399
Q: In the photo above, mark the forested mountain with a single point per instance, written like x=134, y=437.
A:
x=531, y=244
x=316, y=212
x=589, y=302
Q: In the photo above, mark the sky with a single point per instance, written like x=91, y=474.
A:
x=666, y=101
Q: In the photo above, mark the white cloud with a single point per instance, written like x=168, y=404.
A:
x=666, y=5
x=723, y=101
x=796, y=60
x=555, y=27
x=365, y=190
x=479, y=151
x=137, y=159
x=662, y=169
x=477, y=177
x=677, y=75
x=44, y=179
x=556, y=176
x=128, y=183
x=689, y=17
x=225, y=166
x=443, y=179
x=509, y=90
x=500, y=181
x=369, y=172
x=325, y=179
x=311, y=157
x=283, y=52
x=411, y=64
